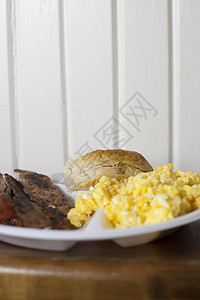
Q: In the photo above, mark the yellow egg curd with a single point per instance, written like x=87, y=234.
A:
x=144, y=199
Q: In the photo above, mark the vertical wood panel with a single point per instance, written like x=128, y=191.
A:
x=6, y=145
x=186, y=84
x=89, y=54
x=144, y=68
x=89, y=77
x=39, y=85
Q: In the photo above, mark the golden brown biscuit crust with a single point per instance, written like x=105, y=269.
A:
x=86, y=170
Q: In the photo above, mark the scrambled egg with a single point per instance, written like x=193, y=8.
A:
x=147, y=198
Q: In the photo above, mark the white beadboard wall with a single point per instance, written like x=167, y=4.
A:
x=79, y=75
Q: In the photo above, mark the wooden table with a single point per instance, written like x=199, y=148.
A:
x=165, y=269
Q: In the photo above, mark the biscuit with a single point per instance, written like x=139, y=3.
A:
x=86, y=170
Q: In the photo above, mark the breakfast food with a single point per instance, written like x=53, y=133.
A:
x=29, y=213
x=48, y=197
x=2, y=184
x=7, y=215
x=147, y=198
x=34, y=202
x=86, y=170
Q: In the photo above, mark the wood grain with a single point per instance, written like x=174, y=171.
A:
x=165, y=269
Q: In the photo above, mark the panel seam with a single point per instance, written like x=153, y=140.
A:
x=63, y=80
x=115, y=62
x=170, y=81
x=176, y=81
x=13, y=79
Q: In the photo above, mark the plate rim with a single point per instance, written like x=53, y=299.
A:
x=103, y=234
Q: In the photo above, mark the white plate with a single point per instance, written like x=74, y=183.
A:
x=98, y=228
